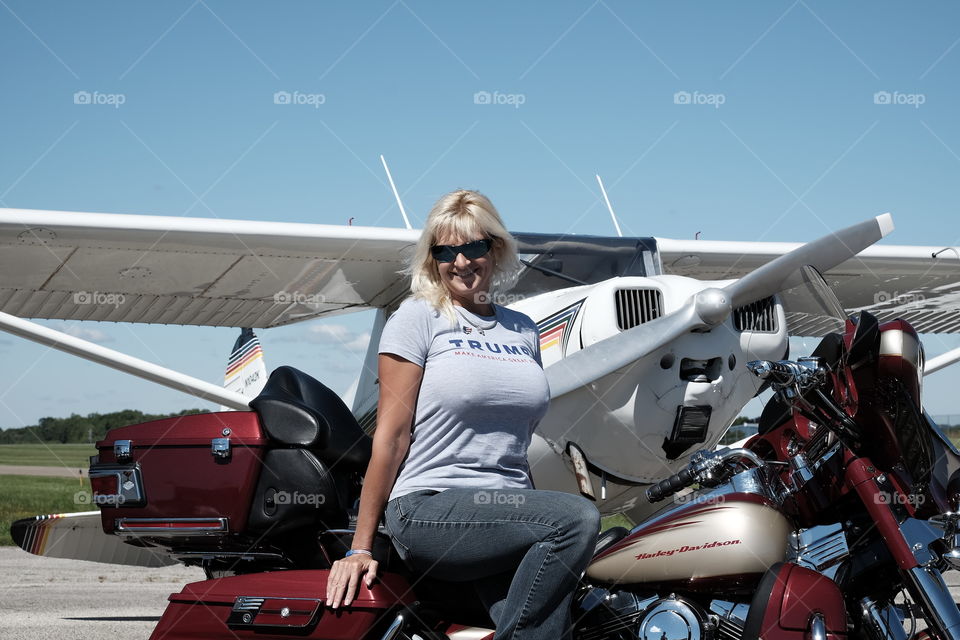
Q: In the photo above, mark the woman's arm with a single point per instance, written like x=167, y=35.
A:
x=399, y=386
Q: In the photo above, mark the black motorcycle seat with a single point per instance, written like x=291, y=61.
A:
x=298, y=410
x=610, y=537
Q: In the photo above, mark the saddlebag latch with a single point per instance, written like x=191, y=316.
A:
x=220, y=448
x=123, y=450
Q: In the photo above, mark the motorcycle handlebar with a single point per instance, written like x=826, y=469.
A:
x=668, y=487
x=777, y=372
x=786, y=373
x=701, y=468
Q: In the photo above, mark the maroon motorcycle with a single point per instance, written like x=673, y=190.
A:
x=837, y=520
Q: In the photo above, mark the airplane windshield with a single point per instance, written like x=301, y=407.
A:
x=554, y=262
x=810, y=305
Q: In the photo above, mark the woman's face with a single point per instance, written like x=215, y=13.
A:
x=468, y=280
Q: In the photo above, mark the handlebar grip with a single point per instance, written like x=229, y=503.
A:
x=780, y=373
x=670, y=486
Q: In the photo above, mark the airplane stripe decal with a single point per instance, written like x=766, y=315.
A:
x=242, y=353
x=246, y=351
x=554, y=329
x=231, y=369
x=28, y=539
x=37, y=534
x=44, y=534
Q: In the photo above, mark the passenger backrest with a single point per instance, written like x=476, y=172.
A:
x=297, y=410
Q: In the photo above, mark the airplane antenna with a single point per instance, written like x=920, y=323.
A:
x=396, y=195
x=609, y=207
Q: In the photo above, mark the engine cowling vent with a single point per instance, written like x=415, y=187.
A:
x=759, y=316
x=636, y=306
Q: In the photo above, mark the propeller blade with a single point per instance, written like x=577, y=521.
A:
x=592, y=363
x=710, y=307
x=823, y=254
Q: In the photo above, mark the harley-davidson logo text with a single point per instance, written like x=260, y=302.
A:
x=685, y=548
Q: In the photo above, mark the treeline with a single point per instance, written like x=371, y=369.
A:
x=77, y=428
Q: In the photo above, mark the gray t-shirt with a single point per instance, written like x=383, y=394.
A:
x=482, y=395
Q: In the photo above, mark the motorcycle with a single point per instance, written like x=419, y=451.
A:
x=836, y=520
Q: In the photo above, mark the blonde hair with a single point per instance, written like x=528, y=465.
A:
x=461, y=214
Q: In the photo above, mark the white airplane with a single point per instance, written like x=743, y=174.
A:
x=643, y=339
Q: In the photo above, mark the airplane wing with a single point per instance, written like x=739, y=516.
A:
x=238, y=273
x=920, y=284
x=193, y=271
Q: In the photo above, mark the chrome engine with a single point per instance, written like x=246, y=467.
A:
x=820, y=548
x=623, y=615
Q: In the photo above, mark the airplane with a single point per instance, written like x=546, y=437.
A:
x=643, y=339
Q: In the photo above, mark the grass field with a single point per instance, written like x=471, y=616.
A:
x=615, y=521
x=72, y=456
x=24, y=496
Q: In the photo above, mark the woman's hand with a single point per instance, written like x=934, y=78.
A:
x=344, y=579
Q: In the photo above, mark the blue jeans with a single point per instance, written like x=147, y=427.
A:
x=524, y=549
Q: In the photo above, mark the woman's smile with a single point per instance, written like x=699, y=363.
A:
x=468, y=280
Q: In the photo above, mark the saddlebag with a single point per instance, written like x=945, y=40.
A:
x=279, y=604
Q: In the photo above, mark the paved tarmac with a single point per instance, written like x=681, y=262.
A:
x=50, y=598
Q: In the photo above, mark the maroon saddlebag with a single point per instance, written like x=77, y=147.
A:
x=279, y=604
x=188, y=476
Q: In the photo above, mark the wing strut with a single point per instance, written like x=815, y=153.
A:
x=609, y=206
x=943, y=360
x=396, y=195
x=121, y=361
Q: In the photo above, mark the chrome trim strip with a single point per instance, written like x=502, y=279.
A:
x=216, y=555
x=122, y=529
x=248, y=603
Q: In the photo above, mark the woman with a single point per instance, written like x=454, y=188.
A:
x=461, y=390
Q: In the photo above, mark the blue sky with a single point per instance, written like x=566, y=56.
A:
x=782, y=138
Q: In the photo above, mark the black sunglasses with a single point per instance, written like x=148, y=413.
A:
x=471, y=250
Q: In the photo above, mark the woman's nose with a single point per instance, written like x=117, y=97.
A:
x=461, y=261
